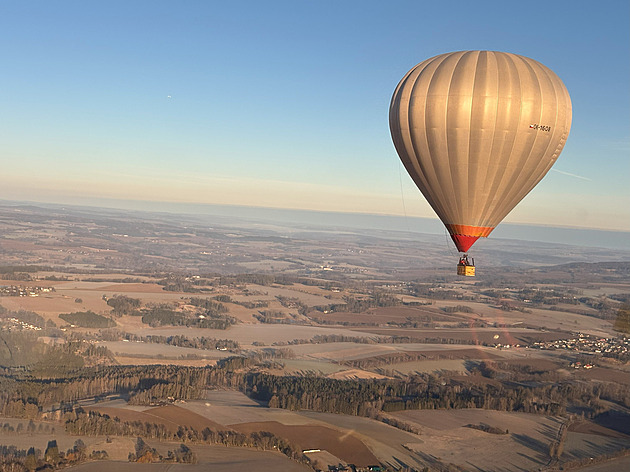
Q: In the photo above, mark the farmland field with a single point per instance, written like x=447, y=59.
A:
x=159, y=351
x=524, y=447
x=342, y=444
x=171, y=416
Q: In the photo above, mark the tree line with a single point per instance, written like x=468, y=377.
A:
x=90, y=423
x=22, y=395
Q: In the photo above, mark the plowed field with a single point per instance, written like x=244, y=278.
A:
x=344, y=445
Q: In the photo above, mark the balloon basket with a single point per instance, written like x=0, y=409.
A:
x=466, y=270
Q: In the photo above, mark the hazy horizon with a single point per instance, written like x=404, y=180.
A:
x=588, y=237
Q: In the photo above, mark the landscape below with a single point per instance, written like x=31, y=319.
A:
x=133, y=337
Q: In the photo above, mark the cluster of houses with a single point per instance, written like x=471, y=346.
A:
x=20, y=291
x=19, y=324
x=611, y=347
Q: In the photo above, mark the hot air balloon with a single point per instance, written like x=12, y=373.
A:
x=477, y=130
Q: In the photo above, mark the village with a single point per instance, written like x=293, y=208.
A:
x=614, y=347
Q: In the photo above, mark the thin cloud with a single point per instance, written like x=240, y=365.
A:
x=571, y=175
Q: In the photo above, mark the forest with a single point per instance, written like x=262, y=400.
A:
x=24, y=395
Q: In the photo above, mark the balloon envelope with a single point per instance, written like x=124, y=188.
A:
x=477, y=130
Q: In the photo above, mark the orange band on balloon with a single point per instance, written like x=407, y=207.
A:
x=479, y=231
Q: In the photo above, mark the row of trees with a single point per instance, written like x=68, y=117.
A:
x=396, y=358
x=246, y=304
x=82, y=423
x=30, y=428
x=13, y=459
x=146, y=454
x=202, y=342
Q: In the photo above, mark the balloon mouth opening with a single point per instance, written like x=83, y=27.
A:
x=465, y=236
x=463, y=242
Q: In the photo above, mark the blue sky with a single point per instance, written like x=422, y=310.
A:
x=284, y=104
